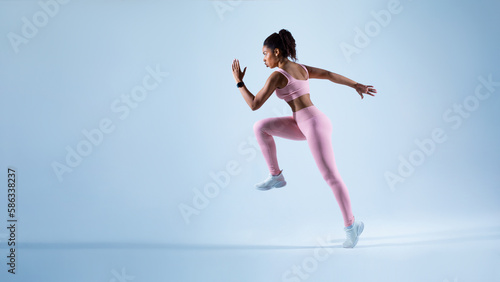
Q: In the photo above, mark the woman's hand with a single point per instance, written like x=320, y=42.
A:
x=364, y=89
x=238, y=75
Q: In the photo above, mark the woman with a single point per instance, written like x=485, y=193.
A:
x=291, y=83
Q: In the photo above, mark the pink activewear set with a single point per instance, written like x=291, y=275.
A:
x=309, y=124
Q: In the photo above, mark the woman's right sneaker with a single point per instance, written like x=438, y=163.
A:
x=273, y=181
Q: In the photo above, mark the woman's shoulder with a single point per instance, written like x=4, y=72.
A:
x=280, y=73
x=280, y=76
x=303, y=66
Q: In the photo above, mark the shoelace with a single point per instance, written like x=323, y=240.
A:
x=267, y=179
x=350, y=232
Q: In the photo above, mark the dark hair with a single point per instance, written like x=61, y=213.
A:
x=283, y=41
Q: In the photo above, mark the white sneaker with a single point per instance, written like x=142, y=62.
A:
x=273, y=181
x=353, y=234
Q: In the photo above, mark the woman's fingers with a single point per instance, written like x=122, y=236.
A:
x=236, y=65
x=366, y=89
x=238, y=74
x=370, y=88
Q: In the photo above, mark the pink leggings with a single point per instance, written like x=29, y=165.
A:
x=314, y=126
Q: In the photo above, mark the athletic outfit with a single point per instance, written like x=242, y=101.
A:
x=309, y=124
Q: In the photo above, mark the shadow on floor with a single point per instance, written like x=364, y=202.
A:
x=429, y=238
x=442, y=237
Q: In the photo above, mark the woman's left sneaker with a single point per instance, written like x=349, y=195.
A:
x=352, y=234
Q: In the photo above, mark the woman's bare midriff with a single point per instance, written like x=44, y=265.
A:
x=300, y=102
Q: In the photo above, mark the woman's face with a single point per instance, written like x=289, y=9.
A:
x=270, y=59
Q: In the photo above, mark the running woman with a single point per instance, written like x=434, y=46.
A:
x=291, y=83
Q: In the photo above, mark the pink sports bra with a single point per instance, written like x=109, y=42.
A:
x=295, y=87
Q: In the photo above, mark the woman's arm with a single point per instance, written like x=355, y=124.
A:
x=333, y=77
x=255, y=102
x=340, y=79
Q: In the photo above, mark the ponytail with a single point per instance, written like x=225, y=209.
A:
x=284, y=41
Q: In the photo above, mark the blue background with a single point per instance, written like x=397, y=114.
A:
x=132, y=186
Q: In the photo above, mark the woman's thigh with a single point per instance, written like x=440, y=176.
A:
x=318, y=132
x=285, y=127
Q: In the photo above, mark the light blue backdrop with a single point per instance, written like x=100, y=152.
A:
x=150, y=82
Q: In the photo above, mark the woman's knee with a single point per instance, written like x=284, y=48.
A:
x=259, y=126
x=332, y=175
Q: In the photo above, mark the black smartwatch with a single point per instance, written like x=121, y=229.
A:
x=240, y=84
